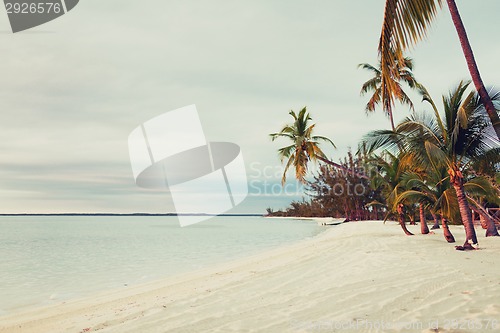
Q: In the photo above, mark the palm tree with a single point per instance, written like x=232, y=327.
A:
x=453, y=142
x=477, y=191
x=405, y=23
x=486, y=192
x=404, y=70
x=388, y=179
x=433, y=193
x=423, y=201
x=304, y=146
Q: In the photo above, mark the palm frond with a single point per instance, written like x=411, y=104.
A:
x=405, y=23
x=413, y=196
x=381, y=139
x=448, y=206
x=370, y=85
x=436, y=156
x=369, y=67
x=287, y=166
x=286, y=152
x=481, y=187
x=323, y=138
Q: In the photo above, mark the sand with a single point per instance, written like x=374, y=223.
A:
x=355, y=277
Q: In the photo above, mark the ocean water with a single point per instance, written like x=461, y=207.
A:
x=49, y=259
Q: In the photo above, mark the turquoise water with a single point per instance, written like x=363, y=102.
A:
x=46, y=260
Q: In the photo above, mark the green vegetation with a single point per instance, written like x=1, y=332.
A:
x=445, y=166
x=405, y=23
x=304, y=146
x=440, y=164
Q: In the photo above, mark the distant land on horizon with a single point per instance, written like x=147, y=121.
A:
x=124, y=214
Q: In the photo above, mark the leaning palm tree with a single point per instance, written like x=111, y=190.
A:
x=405, y=23
x=405, y=74
x=478, y=190
x=304, y=147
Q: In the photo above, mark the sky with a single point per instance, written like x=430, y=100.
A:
x=72, y=90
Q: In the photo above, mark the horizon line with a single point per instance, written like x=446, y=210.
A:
x=126, y=214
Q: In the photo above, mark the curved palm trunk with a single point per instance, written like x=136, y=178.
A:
x=412, y=219
x=491, y=229
x=471, y=64
x=457, y=181
x=424, y=229
x=392, y=119
x=341, y=167
x=482, y=220
x=446, y=231
x=402, y=220
x=436, y=221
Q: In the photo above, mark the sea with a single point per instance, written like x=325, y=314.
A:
x=46, y=260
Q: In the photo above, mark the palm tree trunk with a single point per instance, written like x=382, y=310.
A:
x=491, y=228
x=446, y=231
x=436, y=221
x=482, y=220
x=471, y=63
x=402, y=220
x=392, y=119
x=424, y=229
x=412, y=219
x=341, y=167
x=457, y=181
x=347, y=212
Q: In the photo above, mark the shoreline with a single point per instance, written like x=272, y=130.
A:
x=30, y=318
x=357, y=270
x=318, y=220
x=84, y=278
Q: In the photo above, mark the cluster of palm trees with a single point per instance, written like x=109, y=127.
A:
x=436, y=154
x=442, y=165
x=446, y=165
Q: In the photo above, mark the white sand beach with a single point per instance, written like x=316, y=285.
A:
x=355, y=277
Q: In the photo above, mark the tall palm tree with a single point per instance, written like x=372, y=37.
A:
x=405, y=74
x=304, y=146
x=467, y=140
x=405, y=23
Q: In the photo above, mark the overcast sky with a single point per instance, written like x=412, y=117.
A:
x=73, y=89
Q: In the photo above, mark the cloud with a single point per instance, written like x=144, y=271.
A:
x=73, y=89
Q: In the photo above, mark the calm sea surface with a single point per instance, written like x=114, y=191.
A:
x=45, y=260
